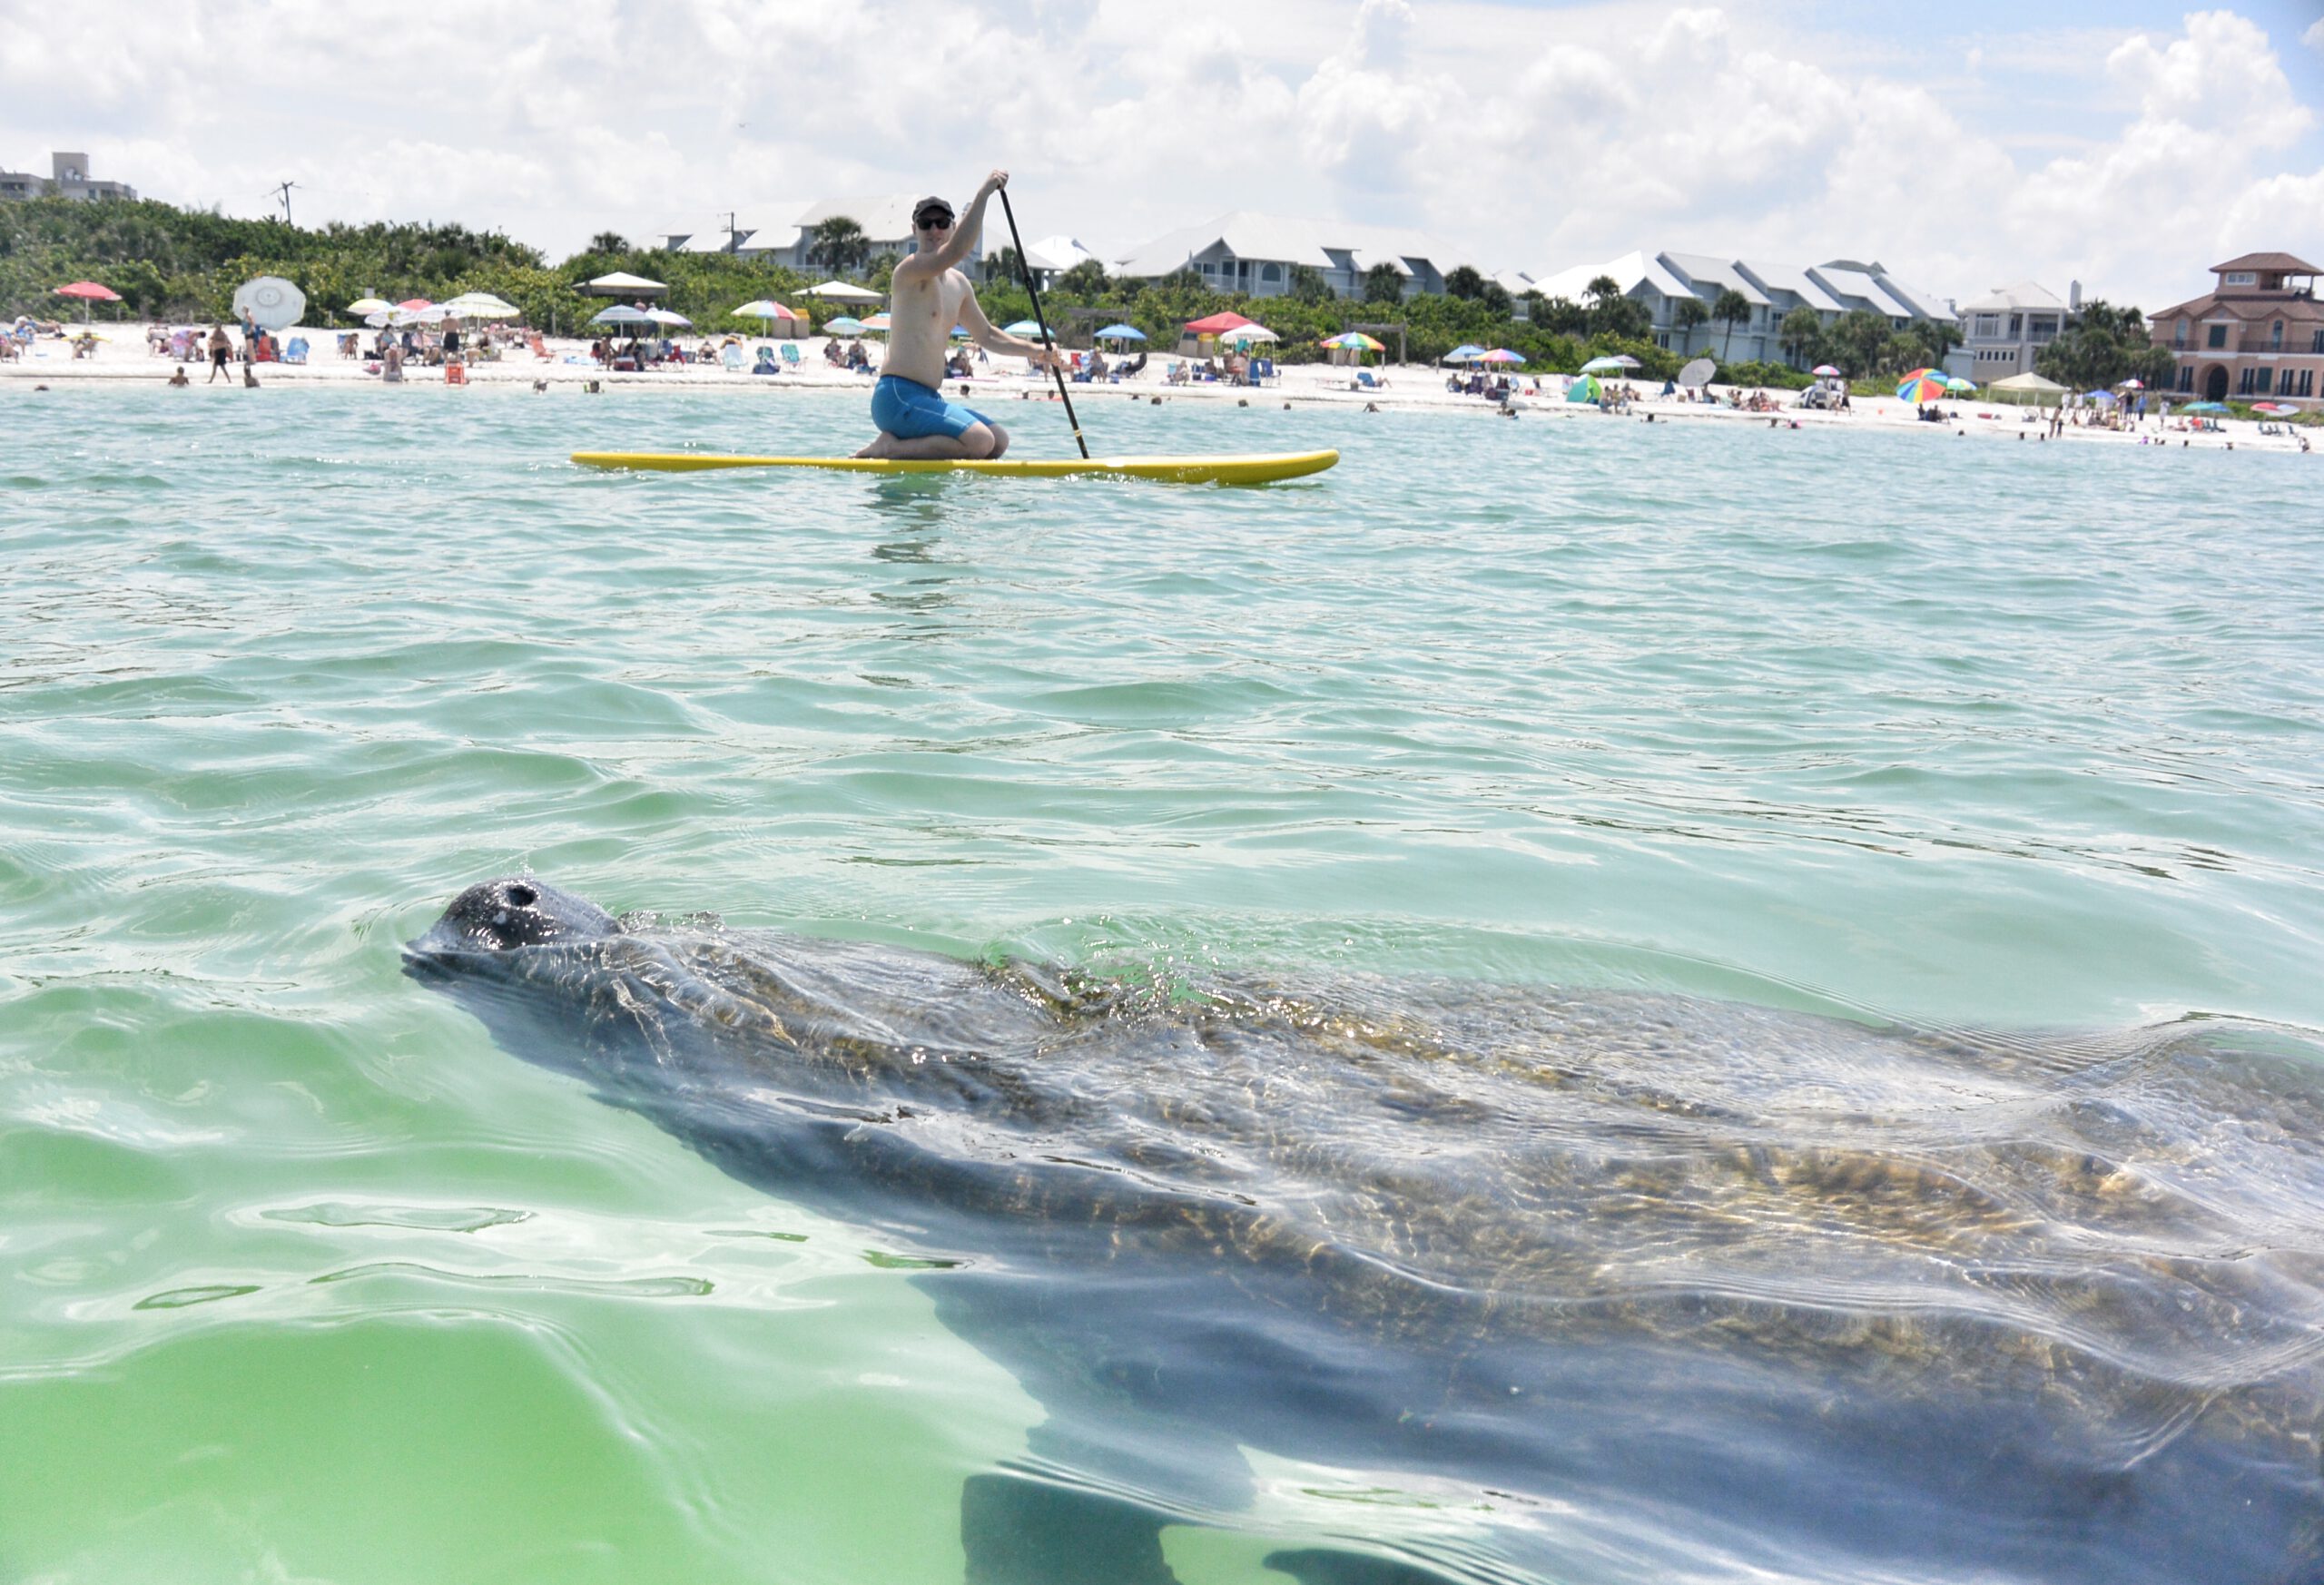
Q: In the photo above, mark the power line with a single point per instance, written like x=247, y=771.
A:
x=283, y=192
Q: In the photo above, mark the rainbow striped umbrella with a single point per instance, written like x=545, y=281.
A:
x=1357, y=341
x=1922, y=385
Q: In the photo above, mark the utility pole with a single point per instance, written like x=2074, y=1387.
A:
x=283, y=192
x=733, y=238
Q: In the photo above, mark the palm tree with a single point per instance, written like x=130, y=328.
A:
x=1000, y=265
x=1688, y=317
x=838, y=244
x=1733, y=307
x=1383, y=282
x=609, y=242
x=1801, y=328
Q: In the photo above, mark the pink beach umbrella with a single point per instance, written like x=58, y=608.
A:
x=88, y=292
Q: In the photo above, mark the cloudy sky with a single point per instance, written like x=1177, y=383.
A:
x=1965, y=143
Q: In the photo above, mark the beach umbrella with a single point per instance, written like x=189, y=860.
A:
x=2098, y=396
x=876, y=324
x=1500, y=355
x=766, y=309
x=1610, y=361
x=88, y=292
x=671, y=317
x=2133, y=383
x=1697, y=373
x=1825, y=371
x=2204, y=408
x=1960, y=387
x=1022, y=328
x=844, y=326
x=481, y=305
x=1121, y=333
x=1922, y=385
x=1245, y=334
x=2275, y=408
x=370, y=305
x=1465, y=352
x=1357, y=341
x=1585, y=390
x=841, y=292
x=621, y=313
x=1216, y=324
x=621, y=284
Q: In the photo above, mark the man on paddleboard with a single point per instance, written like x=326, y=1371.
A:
x=929, y=296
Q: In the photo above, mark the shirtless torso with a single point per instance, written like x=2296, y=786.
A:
x=927, y=295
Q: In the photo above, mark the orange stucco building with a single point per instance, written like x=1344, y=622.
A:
x=2258, y=334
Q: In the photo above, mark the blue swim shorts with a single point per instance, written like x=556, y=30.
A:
x=909, y=410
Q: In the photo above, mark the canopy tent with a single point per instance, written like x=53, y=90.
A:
x=1585, y=390
x=841, y=292
x=621, y=284
x=2027, y=381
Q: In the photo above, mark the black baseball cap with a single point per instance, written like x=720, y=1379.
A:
x=931, y=202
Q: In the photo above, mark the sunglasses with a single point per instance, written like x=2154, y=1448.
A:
x=935, y=220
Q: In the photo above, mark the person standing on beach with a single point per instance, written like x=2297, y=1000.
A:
x=929, y=296
x=221, y=350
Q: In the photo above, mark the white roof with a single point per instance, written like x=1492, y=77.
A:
x=772, y=240
x=2026, y=294
x=1719, y=274
x=1515, y=282
x=710, y=241
x=1847, y=282
x=1792, y=279
x=1058, y=253
x=1629, y=271
x=1925, y=305
x=1284, y=238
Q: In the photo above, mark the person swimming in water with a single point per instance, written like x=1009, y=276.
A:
x=929, y=296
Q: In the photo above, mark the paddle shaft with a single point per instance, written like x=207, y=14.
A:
x=1042, y=319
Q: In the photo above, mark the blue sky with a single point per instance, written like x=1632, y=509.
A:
x=1964, y=145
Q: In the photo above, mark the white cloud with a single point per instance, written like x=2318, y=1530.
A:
x=1541, y=137
x=2314, y=37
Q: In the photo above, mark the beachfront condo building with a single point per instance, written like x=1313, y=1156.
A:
x=68, y=177
x=1770, y=291
x=2005, y=329
x=2259, y=333
x=1255, y=253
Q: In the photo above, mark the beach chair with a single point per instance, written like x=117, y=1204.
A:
x=732, y=356
x=791, y=353
x=1262, y=370
x=296, y=353
x=1367, y=380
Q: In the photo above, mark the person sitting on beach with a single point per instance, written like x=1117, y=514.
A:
x=766, y=363
x=930, y=297
x=834, y=353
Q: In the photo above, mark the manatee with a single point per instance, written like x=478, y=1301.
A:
x=1669, y=1287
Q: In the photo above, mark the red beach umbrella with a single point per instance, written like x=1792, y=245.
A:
x=413, y=305
x=88, y=292
x=1217, y=324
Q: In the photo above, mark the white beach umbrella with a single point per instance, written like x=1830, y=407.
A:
x=841, y=292
x=481, y=305
x=621, y=284
x=662, y=316
x=270, y=303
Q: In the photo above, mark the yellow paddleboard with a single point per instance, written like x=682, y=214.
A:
x=1231, y=470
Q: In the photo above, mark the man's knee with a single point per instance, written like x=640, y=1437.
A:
x=980, y=440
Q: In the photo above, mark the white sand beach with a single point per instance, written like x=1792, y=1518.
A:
x=123, y=358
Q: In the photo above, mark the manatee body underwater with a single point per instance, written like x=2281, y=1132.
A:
x=1671, y=1289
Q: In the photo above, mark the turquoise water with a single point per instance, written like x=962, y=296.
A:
x=307, y=1278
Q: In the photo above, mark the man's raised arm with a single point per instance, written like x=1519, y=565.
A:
x=968, y=227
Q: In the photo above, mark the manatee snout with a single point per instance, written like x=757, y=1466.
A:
x=515, y=910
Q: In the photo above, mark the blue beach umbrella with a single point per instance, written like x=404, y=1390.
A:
x=845, y=325
x=2204, y=408
x=1464, y=352
x=1022, y=328
x=621, y=313
x=1121, y=333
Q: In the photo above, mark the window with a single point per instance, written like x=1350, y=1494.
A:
x=1271, y=273
x=2318, y=344
x=2185, y=331
x=2016, y=326
x=2217, y=336
x=1988, y=326
x=2186, y=376
x=2243, y=385
x=2242, y=278
x=2276, y=337
x=2307, y=383
x=2263, y=378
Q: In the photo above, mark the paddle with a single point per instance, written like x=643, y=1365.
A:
x=1041, y=319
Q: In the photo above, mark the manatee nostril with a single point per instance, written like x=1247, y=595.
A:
x=522, y=896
